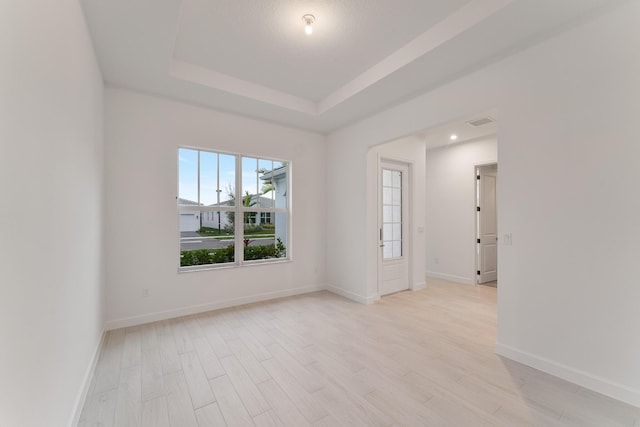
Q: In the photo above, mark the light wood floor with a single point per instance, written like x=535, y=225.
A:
x=416, y=358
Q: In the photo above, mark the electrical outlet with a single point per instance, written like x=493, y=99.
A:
x=436, y=260
x=145, y=293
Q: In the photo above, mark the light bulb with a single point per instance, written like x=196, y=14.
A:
x=308, y=21
x=453, y=137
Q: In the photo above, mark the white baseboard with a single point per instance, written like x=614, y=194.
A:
x=353, y=296
x=86, y=382
x=584, y=379
x=418, y=286
x=373, y=298
x=451, y=277
x=201, y=308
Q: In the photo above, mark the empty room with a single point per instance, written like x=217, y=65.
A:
x=319, y=213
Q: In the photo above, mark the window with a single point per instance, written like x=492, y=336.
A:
x=265, y=217
x=392, y=213
x=214, y=189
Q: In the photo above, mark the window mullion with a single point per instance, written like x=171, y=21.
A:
x=239, y=214
x=218, y=179
x=273, y=187
x=257, y=182
x=198, y=178
x=255, y=209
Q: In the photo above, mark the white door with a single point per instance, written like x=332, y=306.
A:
x=487, y=224
x=393, y=274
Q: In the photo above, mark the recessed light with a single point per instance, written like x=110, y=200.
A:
x=453, y=137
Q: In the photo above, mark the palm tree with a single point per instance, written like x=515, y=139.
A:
x=247, y=201
x=267, y=186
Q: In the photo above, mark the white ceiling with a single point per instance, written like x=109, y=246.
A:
x=252, y=57
x=441, y=135
x=269, y=47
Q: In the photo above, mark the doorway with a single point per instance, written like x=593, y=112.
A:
x=486, y=224
x=393, y=224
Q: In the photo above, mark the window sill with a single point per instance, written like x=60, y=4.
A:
x=209, y=267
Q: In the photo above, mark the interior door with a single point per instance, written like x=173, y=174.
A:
x=393, y=275
x=487, y=224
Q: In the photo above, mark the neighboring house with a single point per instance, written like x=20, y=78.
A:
x=193, y=220
x=213, y=219
x=278, y=178
x=189, y=220
x=220, y=220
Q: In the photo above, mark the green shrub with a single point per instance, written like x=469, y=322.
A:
x=224, y=255
x=207, y=256
x=251, y=229
x=259, y=252
x=280, y=250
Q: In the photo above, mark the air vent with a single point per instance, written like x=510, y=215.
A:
x=480, y=122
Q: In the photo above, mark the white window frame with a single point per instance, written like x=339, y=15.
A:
x=239, y=210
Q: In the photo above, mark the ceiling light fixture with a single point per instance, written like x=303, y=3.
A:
x=453, y=137
x=308, y=20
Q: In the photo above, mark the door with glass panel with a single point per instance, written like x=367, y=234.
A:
x=393, y=274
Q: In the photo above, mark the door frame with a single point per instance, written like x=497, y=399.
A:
x=476, y=221
x=409, y=238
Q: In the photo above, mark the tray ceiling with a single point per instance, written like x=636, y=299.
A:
x=252, y=57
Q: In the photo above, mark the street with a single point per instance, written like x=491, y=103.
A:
x=192, y=241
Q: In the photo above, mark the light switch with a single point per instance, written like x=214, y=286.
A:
x=420, y=229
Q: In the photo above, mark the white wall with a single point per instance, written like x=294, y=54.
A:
x=347, y=254
x=51, y=182
x=567, y=113
x=142, y=136
x=451, y=207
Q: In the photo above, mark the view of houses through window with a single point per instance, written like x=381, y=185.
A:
x=215, y=189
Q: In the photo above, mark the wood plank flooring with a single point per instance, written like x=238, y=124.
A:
x=413, y=359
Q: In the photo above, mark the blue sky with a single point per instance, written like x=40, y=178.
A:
x=209, y=184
